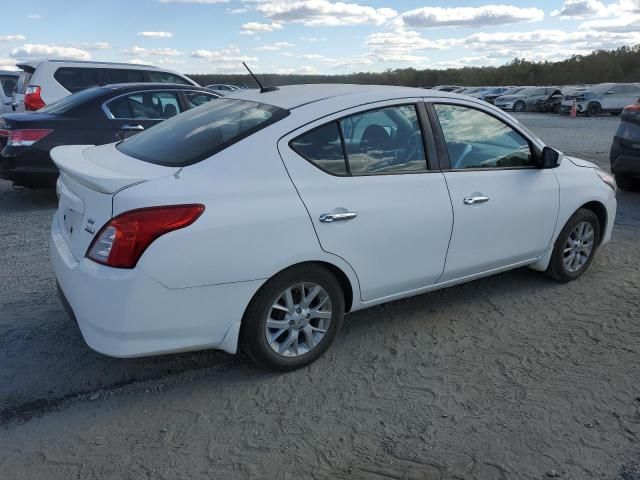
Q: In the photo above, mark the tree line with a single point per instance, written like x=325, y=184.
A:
x=617, y=65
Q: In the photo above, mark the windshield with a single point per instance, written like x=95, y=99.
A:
x=71, y=101
x=201, y=132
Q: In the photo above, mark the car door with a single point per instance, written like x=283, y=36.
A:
x=373, y=198
x=615, y=98
x=134, y=112
x=505, y=208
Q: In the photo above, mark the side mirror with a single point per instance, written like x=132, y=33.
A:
x=549, y=158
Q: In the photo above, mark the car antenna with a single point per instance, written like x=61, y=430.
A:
x=263, y=89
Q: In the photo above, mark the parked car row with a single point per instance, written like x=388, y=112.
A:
x=590, y=100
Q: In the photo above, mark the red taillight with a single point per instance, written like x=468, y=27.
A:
x=24, y=137
x=635, y=107
x=123, y=240
x=32, y=98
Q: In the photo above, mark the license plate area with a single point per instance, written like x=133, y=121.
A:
x=71, y=209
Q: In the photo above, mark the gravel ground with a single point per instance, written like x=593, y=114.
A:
x=509, y=377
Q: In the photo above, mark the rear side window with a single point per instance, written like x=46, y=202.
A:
x=200, y=132
x=195, y=99
x=148, y=105
x=8, y=84
x=382, y=141
x=75, y=79
x=322, y=147
x=166, y=77
x=123, y=75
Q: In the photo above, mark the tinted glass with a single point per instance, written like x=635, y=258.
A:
x=113, y=75
x=165, y=77
x=387, y=140
x=145, y=105
x=75, y=79
x=322, y=147
x=201, y=132
x=23, y=82
x=477, y=140
x=195, y=99
x=8, y=84
x=71, y=102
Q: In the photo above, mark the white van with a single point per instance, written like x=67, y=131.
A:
x=8, y=81
x=42, y=82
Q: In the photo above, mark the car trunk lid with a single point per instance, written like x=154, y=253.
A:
x=89, y=178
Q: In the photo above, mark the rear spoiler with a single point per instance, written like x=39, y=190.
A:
x=71, y=161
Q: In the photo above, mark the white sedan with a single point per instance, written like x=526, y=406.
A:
x=260, y=219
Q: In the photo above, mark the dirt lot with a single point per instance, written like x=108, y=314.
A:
x=509, y=377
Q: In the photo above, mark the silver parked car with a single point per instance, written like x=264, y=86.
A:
x=602, y=98
x=525, y=99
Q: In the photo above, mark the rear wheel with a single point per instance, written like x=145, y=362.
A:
x=518, y=106
x=627, y=183
x=575, y=246
x=294, y=318
x=593, y=109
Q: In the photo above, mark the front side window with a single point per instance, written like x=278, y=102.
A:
x=476, y=139
x=200, y=132
x=195, y=99
x=145, y=105
x=381, y=141
x=166, y=77
x=75, y=79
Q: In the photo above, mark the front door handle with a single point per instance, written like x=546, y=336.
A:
x=337, y=217
x=474, y=200
x=132, y=127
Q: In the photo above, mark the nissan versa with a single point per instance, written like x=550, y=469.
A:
x=260, y=219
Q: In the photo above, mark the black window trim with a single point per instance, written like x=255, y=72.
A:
x=431, y=165
x=443, y=152
x=183, y=98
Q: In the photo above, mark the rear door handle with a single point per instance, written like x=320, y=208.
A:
x=474, y=200
x=337, y=217
x=132, y=127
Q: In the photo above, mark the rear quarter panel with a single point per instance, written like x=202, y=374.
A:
x=254, y=224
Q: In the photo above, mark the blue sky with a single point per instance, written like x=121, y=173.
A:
x=314, y=36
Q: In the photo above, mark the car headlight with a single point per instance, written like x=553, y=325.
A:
x=607, y=178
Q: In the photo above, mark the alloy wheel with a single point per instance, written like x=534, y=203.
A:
x=578, y=247
x=298, y=319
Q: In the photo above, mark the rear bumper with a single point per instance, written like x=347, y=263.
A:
x=624, y=161
x=30, y=167
x=126, y=313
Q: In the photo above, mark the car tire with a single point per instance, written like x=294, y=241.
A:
x=519, y=106
x=614, y=114
x=583, y=227
x=594, y=109
x=557, y=109
x=627, y=183
x=272, y=301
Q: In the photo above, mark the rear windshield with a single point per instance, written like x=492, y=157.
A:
x=200, y=132
x=70, y=102
x=23, y=82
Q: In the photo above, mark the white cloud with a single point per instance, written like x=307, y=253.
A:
x=469, y=16
x=580, y=9
x=12, y=38
x=304, y=70
x=155, y=34
x=237, y=11
x=94, y=46
x=34, y=16
x=311, y=56
x=274, y=46
x=207, y=2
x=313, y=39
x=324, y=13
x=171, y=61
x=30, y=50
x=252, y=28
x=8, y=64
x=628, y=23
x=156, y=52
x=402, y=45
x=138, y=61
x=229, y=58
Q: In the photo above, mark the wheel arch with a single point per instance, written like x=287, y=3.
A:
x=601, y=212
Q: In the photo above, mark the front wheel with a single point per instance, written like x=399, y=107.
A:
x=593, y=110
x=575, y=246
x=518, y=106
x=294, y=318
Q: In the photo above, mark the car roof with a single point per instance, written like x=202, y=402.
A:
x=35, y=63
x=9, y=72
x=150, y=86
x=294, y=96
